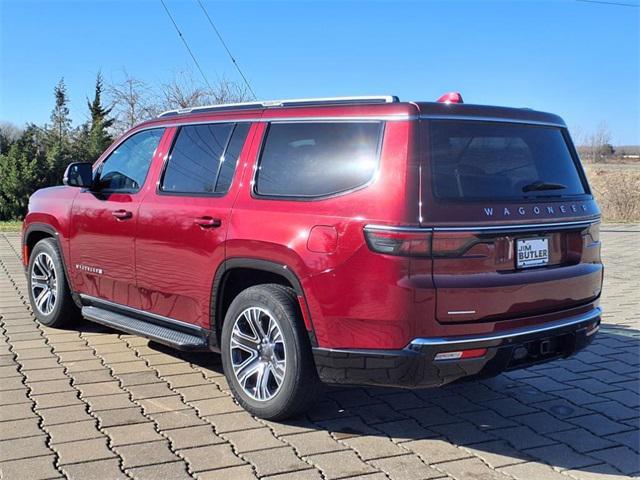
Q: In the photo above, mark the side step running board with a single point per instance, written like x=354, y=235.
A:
x=158, y=333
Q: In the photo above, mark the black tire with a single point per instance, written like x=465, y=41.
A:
x=300, y=385
x=64, y=309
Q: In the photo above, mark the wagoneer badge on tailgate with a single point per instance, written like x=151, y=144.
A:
x=535, y=210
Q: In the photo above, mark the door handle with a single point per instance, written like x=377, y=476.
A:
x=122, y=214
x=207, y=222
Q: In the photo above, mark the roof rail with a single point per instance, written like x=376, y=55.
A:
x=297, y=102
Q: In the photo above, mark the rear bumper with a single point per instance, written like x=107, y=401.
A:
x=415, y=365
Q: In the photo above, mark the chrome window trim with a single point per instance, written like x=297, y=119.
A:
x=527, y=226
x=234, y=119
x=491, y=119
x=440, y=341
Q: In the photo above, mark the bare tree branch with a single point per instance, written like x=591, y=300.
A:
x=132, y=102
x=185, y=91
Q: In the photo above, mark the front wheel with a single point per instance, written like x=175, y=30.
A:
x=266, y=353
x=49, y=292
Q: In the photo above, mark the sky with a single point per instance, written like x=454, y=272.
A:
x=575, y=58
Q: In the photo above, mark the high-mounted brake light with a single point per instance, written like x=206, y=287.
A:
x=451, y=97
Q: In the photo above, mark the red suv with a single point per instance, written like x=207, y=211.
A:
x=350, y=240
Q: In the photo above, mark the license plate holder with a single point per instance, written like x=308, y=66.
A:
x=532, y=252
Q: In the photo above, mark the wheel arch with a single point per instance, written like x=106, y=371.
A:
x=39, y=231
x=33, y=234
x=231, y=278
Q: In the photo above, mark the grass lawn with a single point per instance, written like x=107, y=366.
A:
x=10, y=226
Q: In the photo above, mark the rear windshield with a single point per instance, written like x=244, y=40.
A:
x=482, y=160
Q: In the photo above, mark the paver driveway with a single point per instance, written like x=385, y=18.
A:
x=92, y=403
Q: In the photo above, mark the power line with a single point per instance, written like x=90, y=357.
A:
x=184, y=40
x=227, y=49
x=602, y=2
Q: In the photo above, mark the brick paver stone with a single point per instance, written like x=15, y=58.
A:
x=315, y=442
x=83, y=451
x=275, y=460
x=95, y=470
x=340, y=464
x=405, y=467
x=255, y=439
x=38, y=468
x=211, y=457
x=149, y=453
x=173, y=471
x=23, y=448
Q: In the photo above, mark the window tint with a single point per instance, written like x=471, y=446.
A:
x=474, y=160
x=196, y=158
x=126, y=167
x=230, y=160
x=316, y=159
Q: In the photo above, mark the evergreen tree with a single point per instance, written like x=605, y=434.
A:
x=58, y=136
x=22, y=171
x=60, y=121
x=98, y=136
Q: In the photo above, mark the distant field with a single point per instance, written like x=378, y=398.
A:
x=617, y=189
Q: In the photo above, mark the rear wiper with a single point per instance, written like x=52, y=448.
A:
x=540, y=185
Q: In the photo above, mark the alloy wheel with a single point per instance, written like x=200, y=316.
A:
x=44, y=283
x=258, y=353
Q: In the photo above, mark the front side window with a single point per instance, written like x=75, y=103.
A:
x=490, y=160
x=203, y=158
x=317, y=159
x=126, y=168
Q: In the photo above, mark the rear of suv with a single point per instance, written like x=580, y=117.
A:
x=353, y=240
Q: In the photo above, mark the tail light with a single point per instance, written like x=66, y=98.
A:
x=452, y=244
x=405, y=243
x=415, y=242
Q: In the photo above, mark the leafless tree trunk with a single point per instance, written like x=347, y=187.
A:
x=132, y=101
x=597, y=140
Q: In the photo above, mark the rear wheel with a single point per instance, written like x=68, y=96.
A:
x=266, y=353
x=49, y=292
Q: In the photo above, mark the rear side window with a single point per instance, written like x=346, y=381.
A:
x=203, y=158
x=317, y=159
x=483, y=160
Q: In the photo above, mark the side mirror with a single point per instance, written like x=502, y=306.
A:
x=78, y=174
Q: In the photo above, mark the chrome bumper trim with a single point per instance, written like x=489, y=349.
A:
x=585, y=317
